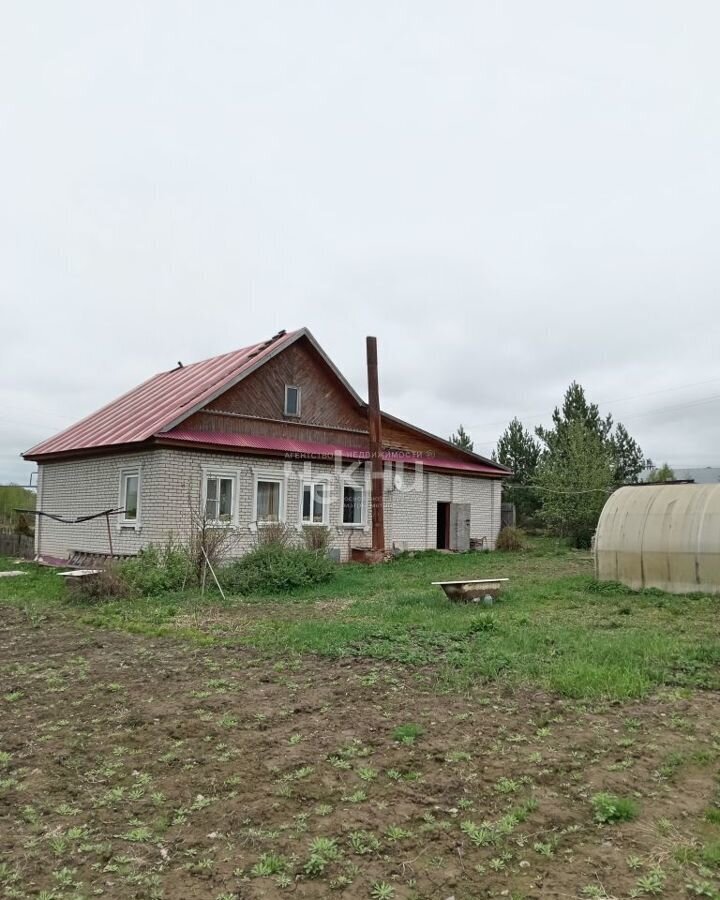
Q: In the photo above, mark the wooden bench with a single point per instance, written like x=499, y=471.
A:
x=474, y=590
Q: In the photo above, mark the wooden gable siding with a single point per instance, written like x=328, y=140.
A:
x=328, y=413
x=256, y=405
x=232, y=424
x=399, y=437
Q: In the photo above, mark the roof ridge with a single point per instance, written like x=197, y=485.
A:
x=256, y=348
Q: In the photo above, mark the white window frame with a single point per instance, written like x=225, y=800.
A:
x=293, y=387
x=349, y=482
x=232, y=475
x=278, y=478
x=312, y=484
x=129, y=472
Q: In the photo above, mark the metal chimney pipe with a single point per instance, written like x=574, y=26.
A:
x=376, y=459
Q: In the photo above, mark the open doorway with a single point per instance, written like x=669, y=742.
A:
x=443, y=526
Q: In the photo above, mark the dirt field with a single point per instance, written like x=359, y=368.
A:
x=133, y=767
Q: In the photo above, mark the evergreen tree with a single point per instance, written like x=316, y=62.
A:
x=583, y=459
x=575, y=408
x=625, y=451
x=574, y=482
x=518, y=450
x=462, y=439
x=629, y=459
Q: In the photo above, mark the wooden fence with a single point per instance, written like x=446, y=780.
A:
x=507, y=515
x=18, y=545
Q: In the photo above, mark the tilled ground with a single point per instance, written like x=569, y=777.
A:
x=141, y=768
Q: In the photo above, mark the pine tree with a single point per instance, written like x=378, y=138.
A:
x=462, y=439
x=519, y=451
x=629, y=459
x=625, y=451
x=582, y=461
x=575, y=408
x=575, y=483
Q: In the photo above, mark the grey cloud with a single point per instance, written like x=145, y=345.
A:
x=509, y=195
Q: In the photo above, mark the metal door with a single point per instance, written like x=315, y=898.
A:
x=460, y=526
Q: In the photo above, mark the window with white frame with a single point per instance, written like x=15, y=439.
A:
x=130, y=497
x=268, y=500
x=292, y=400
x=353, y=504
x=314, y=504
x=219, y=497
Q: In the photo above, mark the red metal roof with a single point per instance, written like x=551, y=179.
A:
x=306, y=449
x=159, y=402
x=157, y=408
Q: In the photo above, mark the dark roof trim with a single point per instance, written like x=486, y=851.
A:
x=474, y=457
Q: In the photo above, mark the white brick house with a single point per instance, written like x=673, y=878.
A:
x=270, y=432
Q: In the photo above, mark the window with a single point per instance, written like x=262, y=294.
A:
x=130, y=497
x=292, y=400
x=269, y=500
x=219, y=490
x=313, y=504
x=353, y=498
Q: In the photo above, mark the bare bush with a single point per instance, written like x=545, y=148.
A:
x=210, y=542
x=276, y=534
x=103, y=587
x=316, y=538
x=510, y=539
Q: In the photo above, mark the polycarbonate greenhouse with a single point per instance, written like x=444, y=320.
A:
x=664, y=536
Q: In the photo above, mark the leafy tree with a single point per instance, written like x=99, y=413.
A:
x=664, y=473
x=574, y=481
x=12, y=497
x=462, y=439
x=518, y=450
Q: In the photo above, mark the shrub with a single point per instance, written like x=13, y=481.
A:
x=274, y=568
x=611, y=808
x=158, y=570
x=316, y=537
x=23, y=526
x=208, y=544
x=275, y=534
x=510, y=539
x=109, y=584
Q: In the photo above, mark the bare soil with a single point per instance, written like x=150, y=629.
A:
x=142, y=768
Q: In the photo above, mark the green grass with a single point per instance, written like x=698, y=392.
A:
x=407, y=734
x=611, y=808
x=554, y=627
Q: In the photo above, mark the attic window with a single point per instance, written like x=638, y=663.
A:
x=292, y=400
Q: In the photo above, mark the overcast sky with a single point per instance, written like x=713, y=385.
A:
x=509, y=194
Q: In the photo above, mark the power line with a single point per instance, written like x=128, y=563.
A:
x=679, y=387
x=533, y=487
x=664, y=409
